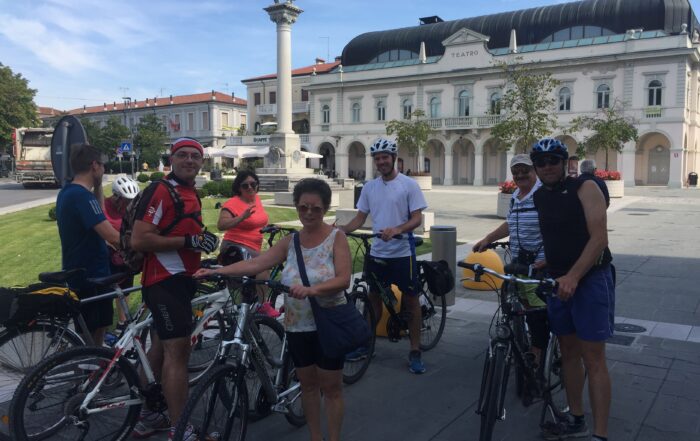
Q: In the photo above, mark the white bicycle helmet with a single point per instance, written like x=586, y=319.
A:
x=125, y=187
x=383, y=146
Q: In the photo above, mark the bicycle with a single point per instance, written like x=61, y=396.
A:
x=433, y=310
x=219, y=403
x=510, y=344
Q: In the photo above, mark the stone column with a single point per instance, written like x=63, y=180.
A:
x=509, y=157
x=479, y=164
x=369, y=165
x=675, y=176
x=448, y=167
x=627, y=168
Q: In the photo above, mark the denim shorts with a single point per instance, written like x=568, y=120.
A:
x=590, y=313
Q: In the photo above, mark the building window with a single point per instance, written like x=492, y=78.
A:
x=190, y=122
x=463, y=103
x=256, y=98
x=164, y=120
x=435, y=107
x=655, y=93
x=326, y=113
x=603, y=95
x=304, y=95
x=381, y=111
x=407, y=108
x=273, y=97
x=224, y=120
x=205, y=121
x=495, y=103
x=565, y=99
x=394, y=55
x=355, y=112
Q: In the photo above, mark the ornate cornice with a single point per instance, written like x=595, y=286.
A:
x=284, y=13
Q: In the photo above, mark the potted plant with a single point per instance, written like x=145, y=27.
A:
x=506, y=190
x=613, y=180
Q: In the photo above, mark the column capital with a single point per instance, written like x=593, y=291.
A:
x=283, y=13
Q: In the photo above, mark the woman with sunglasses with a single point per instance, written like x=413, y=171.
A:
x=326, y=256
x=241, y=218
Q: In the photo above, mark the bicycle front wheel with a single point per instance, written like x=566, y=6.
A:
x=433, y=317
x=217, y=407
x=272, y=334
x=357, y=362
x=47, y=404
x=205, y=346
x=497, y=382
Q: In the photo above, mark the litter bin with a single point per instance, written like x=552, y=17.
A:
x=692, y=179
x=444, y=240
x=215, y=174
x=358, y=191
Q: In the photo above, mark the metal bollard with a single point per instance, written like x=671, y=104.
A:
x=444, y=240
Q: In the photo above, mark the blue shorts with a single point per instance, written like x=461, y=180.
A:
x=399, y=271
x=590, y=313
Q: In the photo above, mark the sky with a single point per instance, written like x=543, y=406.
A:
x=87, y=52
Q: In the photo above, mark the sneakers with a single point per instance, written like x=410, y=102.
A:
x=191, y=435
x=358, y=354
x=415, y=364
x=565, y=429
x=149, y=423
x=267, y=309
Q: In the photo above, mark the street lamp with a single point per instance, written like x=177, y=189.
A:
x=127, y=104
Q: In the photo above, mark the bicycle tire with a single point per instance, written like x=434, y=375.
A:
x=433, y=317
x=272, y=333
x=295, y=410
x=205, y=347
x=61, y=382
x=498, y=382
x=353, y=370
x=553, y=411
x=219, y=403
x=21, y=349
x=521, y=340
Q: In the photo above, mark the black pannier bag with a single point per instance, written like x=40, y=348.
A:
x=439, y=277
x=21, y=305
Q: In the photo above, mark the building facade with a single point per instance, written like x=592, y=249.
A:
x=643, y=54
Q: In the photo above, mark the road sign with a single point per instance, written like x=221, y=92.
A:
x=125, y=147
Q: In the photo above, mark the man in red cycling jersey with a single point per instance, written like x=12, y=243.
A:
x=172, y=245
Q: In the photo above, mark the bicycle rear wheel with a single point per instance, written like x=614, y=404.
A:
x=357, y=362
x=295, y=410
x=272, y=333
x=522, y=340
x=497, y=382
x=433, y=317
x=46, y=405
x=217, y=407
x=555, y=406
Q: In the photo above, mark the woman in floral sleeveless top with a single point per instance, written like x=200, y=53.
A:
x=328, y=266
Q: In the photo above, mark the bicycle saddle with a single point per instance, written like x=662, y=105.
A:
x=61, y=277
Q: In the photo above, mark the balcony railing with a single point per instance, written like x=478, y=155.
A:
x=653, y=112
x=271, y=109
x=465, y=122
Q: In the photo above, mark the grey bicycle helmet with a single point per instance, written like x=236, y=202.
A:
x=125, y=187
x=383, y=145
x=549, y=146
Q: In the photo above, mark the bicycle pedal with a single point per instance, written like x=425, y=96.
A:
x=280, y=408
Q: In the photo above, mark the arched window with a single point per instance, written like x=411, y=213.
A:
x=435, y=107
x=407, y=108
x=495, y=103
x=655, y=93
x=565, y=99
x=463, y=103
x=381, y=111
x=326, y=112
x=603, y=96
x=356, y=112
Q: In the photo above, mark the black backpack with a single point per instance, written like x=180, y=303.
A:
x=134, y=259
x=439, y=276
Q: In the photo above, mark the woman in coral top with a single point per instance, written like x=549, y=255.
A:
x=241, y=218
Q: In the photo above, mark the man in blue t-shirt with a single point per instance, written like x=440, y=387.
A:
x=396, y=204
x=83, y=229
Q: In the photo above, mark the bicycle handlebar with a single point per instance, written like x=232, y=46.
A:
x=366, y=236
x=479, y=270
x=275, y=229
x=494, y=245
x=246, y=281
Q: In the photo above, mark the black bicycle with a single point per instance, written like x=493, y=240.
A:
x=433, y=310
x=510, y=343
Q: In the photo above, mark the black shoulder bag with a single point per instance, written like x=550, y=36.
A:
x=341, y=329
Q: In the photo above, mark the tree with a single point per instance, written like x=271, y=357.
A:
x=528, y=106
x=93, y=132
x=110, y=136
x=611, y=130
x=412, y=134
x=17, y=108
x=150, y=139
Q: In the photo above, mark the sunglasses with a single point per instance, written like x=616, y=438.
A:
x=547, y=160
x=184, y=155
x=303, y=209
x=252, y=186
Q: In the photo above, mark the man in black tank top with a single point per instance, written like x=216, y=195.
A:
x=573, y=223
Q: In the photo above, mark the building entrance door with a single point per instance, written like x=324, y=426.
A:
x=659, y=165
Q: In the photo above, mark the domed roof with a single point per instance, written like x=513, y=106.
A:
x=531, y=25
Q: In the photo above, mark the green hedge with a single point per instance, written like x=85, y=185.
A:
x=52, y=213
x=223, y=188
x=156, y=176
x=143, y=178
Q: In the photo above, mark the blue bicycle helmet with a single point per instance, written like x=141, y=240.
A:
x=383, y=146
x=549, y=146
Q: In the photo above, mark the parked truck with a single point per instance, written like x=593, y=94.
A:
x=32, y=151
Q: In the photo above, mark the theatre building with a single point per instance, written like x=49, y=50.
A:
x=642, y=53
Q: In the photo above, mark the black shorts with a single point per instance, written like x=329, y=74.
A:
x=96, y=314
x=305, y=350
x=170, y=303
x=399, y=271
